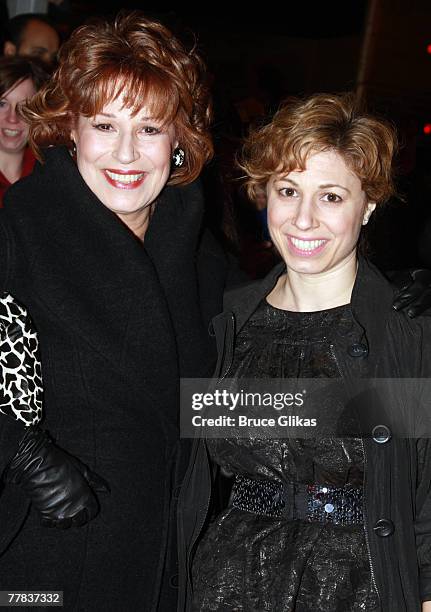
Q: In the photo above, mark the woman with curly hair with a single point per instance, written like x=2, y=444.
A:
x=338, y=519
x=103, y=243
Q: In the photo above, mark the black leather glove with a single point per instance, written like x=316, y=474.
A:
x=59, y=486
x=415, y=293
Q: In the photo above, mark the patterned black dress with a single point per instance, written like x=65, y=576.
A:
x=255, y=563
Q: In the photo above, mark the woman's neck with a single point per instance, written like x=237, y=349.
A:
x=137, y=222
x=11, y=165
x=311, y=292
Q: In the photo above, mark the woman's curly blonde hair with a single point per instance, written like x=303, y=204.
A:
x=319, y=123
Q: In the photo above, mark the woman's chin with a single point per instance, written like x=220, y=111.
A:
x=306, y=264
x=13, y=148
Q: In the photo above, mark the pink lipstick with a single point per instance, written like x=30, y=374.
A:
x=306, y=248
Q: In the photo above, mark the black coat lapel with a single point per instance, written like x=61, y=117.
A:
x=173, y=241
x=372, y=298
x=244, y=300
x=89, y=270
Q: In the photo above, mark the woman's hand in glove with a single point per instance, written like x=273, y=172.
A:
x=59, y=486
x=414, y=295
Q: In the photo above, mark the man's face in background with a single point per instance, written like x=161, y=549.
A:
x=38, y=40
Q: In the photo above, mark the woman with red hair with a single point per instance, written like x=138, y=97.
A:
x=104, y=246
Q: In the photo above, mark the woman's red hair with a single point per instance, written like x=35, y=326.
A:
x=139, y=59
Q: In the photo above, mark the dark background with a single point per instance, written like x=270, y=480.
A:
x=256, y=58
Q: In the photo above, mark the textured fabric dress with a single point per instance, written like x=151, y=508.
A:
x=255, y=563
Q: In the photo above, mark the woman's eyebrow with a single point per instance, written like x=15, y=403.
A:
x=328, y=185
x=288, y=180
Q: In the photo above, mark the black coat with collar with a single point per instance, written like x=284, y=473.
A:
x=118, y=324
x=386, y=344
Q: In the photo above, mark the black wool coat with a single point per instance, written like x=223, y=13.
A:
x=119, y=322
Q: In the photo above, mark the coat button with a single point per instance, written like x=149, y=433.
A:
x=381, y=434
x=357, y=350
x=384, y=528
x=173, y=581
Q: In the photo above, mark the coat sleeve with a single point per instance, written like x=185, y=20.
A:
x=422, y=523
x=7, y=254
x=422, y=452
x=20, y=384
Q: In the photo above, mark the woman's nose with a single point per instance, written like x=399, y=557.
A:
x=12, y=115
x=304, y=217
x=125, y=150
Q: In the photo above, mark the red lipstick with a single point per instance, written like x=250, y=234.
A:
x=112, y=175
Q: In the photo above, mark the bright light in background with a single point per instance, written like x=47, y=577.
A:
x=429, y=48
x=427, y=129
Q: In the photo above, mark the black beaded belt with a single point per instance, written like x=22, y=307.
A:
x=313, y=503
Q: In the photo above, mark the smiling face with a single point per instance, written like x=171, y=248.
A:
x=125, y=160
x=315, y=215
x=13, y=129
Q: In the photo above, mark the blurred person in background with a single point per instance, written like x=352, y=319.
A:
x=20, y=78
x=31, y=35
